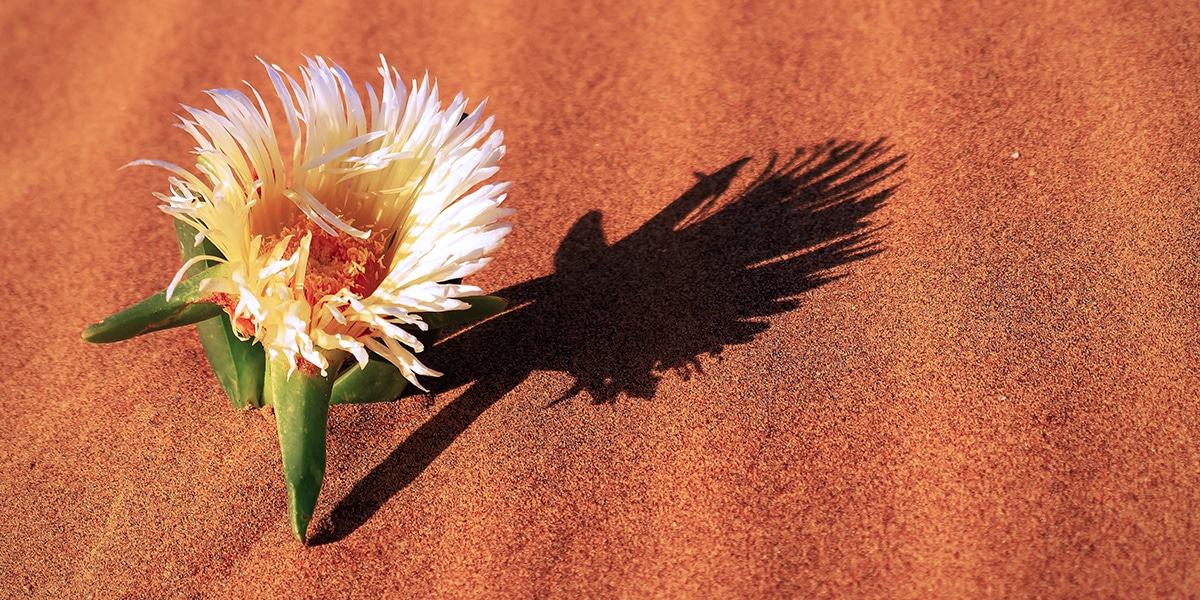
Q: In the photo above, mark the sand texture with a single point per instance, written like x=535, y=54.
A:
x=820, y=299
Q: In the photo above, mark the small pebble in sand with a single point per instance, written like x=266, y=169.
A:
x=1016, y=155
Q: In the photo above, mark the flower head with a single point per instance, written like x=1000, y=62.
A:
x=339, y=248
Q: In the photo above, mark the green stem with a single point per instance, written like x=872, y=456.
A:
x=301, y=404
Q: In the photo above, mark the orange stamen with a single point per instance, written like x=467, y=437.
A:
x=242, y=325
x=335, y=262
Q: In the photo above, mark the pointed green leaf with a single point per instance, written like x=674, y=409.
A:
x=377, y=381
x=482, y=307
x=238, y=364
x=380, y=381
x=186, y=306
x=301, y=404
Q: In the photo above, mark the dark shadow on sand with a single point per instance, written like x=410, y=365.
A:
x=702, y=275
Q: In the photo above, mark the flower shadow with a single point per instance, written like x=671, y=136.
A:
x=700, y=276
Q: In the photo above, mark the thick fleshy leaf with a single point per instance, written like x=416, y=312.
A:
x=482, y=307
x=238, y=364
x=301, y=404
x=380, y=381
x=377, y=381
x=186, y=306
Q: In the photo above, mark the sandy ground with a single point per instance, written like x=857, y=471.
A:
x=869, y=299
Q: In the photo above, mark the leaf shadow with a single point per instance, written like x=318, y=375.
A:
x=702, y=275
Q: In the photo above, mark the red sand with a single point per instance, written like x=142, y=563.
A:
x=991, y=391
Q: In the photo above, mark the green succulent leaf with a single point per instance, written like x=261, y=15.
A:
x=380, y=381
x=377, y=381
x=301, y=404
x=238, y=364
x=187, y=305
x=482, y=307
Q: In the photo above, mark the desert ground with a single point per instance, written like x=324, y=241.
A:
x=813, y=299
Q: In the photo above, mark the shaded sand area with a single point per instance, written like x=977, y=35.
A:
x=869, y=299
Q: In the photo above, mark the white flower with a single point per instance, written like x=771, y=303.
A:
x=336, y=249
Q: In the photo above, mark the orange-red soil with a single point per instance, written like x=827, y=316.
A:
x=949, y=348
